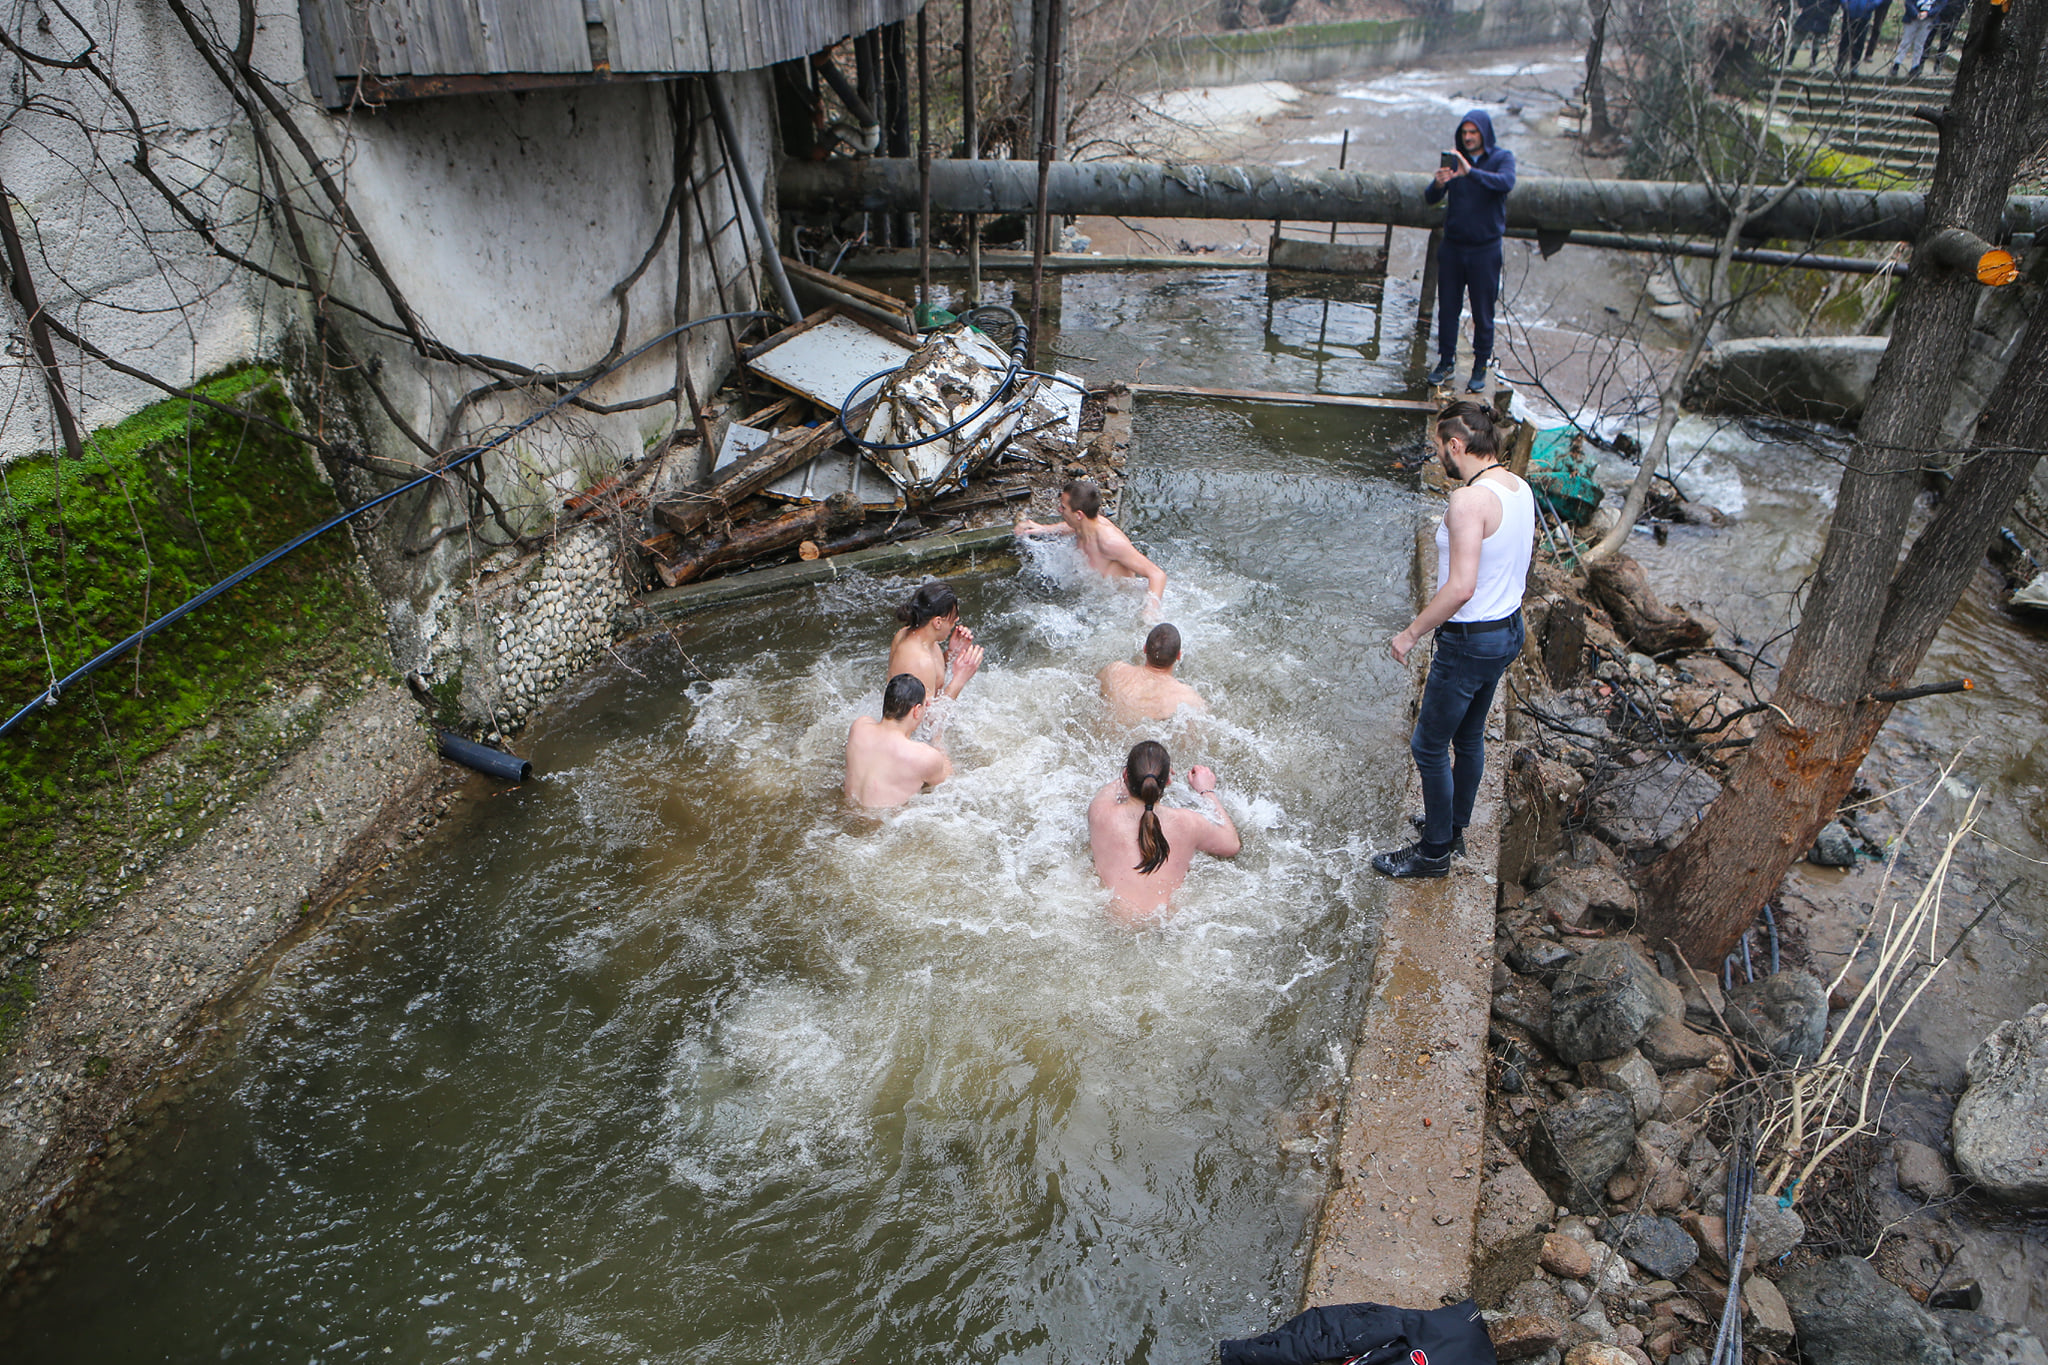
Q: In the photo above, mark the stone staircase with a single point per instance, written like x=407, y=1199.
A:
x=1871, y=115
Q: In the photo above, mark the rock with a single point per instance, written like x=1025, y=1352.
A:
x=1766, y=1321
x=1526, y=1005
x=2000, y=1128
x=1539, y=957
x=1602, y=1003
x=1539, y=1298
x=1977, y=1339
x=1671, y=1046
x=1834, y=848
x=1664, y=1182
x=1595, y=1324
x=1785, y=1014
x=1773, y=1231
x=1598, y=1353
x=1921, y=1170
x=1524, y=1335
x=1630, y=1077
x=1564, y=1257
x=1847, y=1314
x=1658, y=1245
x=1825, y=379
x=1514, y=1216
x=1687, y=1092
x=1578, y=1143
x=1704, y=1003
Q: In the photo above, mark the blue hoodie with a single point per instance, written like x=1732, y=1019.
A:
x=1478, y=211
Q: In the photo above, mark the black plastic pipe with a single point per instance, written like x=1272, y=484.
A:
x=482, y=757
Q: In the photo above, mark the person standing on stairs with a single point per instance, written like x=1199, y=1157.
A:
x=1917, y=21
x=1475, y=184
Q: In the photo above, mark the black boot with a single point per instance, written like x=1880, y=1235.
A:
x=1457, y=834
x=1411, y=862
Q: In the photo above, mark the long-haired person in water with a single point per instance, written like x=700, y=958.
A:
x=931, y=643
x=1141, y=851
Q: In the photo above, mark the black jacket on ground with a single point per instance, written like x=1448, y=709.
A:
x=1371, y=1334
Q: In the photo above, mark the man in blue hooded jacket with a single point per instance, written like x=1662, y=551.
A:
x=1468, y=261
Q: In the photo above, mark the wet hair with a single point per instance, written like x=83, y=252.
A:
x=1162, y=646
x=1145, y=778
x=927, y=604
x=904, y=694
x=1471, y=423
x=1083, y=496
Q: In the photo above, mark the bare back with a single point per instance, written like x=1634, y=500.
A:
x=1113, y=839
x=884, y=767
x=1136, y=692
x=920, y=656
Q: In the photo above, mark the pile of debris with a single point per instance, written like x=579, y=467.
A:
x=880, y=435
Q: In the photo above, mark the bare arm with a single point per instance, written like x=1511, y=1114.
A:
x=1216, y=840
x=1466, y=521
x=940, y=765
x=965, y=664
x=1027, y=527
x=1130, y=557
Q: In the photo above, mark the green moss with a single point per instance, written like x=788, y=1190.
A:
x=161, y=506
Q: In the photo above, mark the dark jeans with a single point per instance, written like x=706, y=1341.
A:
x=1449, y=742
x=1462, y=270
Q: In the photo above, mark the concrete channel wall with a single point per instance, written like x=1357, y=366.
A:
x=1311, y=52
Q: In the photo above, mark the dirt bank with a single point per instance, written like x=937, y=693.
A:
x=127, y=1000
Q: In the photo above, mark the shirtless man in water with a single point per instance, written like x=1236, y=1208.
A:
x=931, y=640
x=1142, y=854
x=884, y=765
x=1106, y=548
x=1149, y=691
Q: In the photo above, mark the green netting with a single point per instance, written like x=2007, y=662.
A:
x=1563, y=474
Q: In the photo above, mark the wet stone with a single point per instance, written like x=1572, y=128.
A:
x=1603, y=1003
x=1785, y=1014
x=1578, y=1143
x=1565, y=1257
x=1658, y=1245
x=2000, y=1128
x=1540, y=957
x=1630, y=1077
x=1834, y=848
x=1766, y=1321
x=1524, y=1335
x=1847, y=1314
x=1671, y=1046
x=1979, y=1339
x=1921, y=1170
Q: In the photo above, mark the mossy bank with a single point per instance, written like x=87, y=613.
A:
x=135, y=761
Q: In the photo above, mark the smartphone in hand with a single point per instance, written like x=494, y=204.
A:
x=1448, y=160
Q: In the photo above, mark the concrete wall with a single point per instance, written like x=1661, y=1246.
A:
x=504, y=220
x=1307, y=52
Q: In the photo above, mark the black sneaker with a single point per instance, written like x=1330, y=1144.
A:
x=1419, y=825
x=1411, y=862
x=1443, y=372
x=1477, y=383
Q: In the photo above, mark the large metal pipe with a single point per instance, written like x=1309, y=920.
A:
x=1144, y=189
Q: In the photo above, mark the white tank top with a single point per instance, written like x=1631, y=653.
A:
x=1503, y=556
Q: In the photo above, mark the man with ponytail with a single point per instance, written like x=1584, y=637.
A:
x=884, y=765
x=1483, y=548
x=1141, y=852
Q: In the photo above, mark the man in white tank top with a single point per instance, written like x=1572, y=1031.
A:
x=1483, y=547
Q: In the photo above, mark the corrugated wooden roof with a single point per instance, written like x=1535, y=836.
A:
x=409, y=48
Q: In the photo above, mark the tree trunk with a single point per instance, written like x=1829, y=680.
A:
x=1598, y=129
x=1868, y=621
x=747, y=476
x=1647, y=625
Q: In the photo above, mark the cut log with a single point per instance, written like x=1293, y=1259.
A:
x=1649, y=626
x=787, y=451
x=759, y=539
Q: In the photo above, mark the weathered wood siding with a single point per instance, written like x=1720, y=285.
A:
x=399, y=39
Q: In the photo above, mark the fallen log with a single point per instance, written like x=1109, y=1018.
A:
x=753, y=540
x=1649, y=626
x=786, y=451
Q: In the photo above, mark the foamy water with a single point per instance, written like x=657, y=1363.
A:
x=672, y=1055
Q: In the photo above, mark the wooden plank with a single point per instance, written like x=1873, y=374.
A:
x=882, y=559
x=891, y=261
x=684, y=515
x=1335, y=400
x=888, y=304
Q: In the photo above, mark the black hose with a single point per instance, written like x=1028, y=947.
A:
x=107, y=656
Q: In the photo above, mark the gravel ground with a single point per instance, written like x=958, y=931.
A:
x=125, y=1002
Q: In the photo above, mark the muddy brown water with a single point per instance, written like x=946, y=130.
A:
x=668, y=1056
